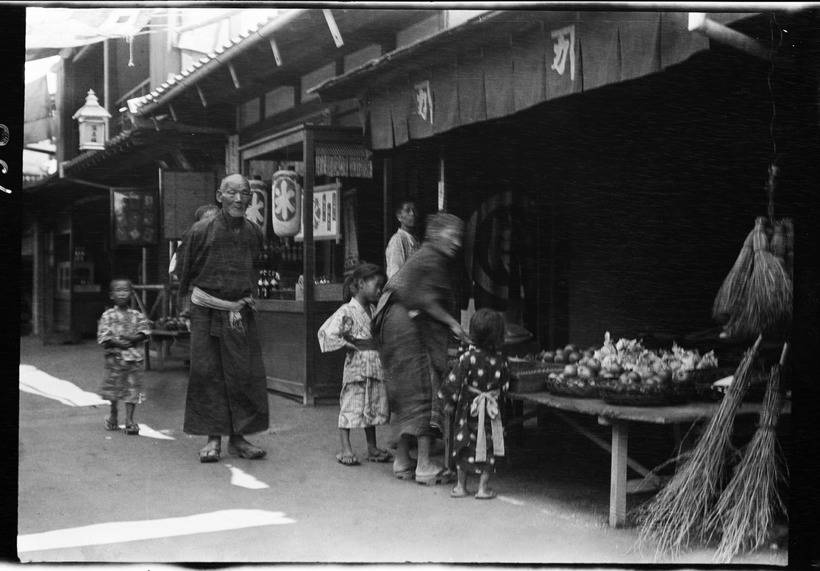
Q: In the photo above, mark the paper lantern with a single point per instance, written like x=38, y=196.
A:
x=257, y=211
x=286, y=203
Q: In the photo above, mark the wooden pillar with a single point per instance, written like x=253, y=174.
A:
x=308, y=265
x=387, y=168
x=617, y=477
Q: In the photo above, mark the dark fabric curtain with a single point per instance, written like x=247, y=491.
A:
x=445, y=98
x=472, y=106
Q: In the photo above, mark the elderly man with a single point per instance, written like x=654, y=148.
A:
x=227, y=391
x=403, y=243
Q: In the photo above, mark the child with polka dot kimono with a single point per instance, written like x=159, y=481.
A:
x=473, y=392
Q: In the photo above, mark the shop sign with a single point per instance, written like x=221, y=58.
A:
x=134, y=215
x=326, y=213
x=563, y=47
x=424, y=101
x=232, y=155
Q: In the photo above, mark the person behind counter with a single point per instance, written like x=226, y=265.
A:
x=414, y=350
x=227, y=390
x=363, y=401
x=121, y=331
x=474, y=389
x=403, y=243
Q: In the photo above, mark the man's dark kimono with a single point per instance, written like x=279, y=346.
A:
x=227, y=391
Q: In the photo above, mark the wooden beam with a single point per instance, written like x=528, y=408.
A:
x=201, y=95
x=334, y=29
x=173, y=113
x=233, y=75
x=276, y=55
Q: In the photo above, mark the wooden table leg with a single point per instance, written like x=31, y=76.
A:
x=617, y=477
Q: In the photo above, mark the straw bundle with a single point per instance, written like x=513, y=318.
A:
x=676, y=516
x=768, y=294
x=748, y=506
x=732, y=292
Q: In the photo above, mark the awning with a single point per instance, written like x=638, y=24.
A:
x=38, y=121
x=506, y=61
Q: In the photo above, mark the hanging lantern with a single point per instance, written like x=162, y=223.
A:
x=286, y=203
x=257, y=211
x=93, y=119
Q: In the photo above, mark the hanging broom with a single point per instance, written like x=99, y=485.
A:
x=768, y=294
x=750, y=503
x=788, y=226
x=675, y=517
x=732, y=291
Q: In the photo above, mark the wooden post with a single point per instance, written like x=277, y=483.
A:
x=308, y=264
x=386, y=198
x=617, y=476
x=37, y=274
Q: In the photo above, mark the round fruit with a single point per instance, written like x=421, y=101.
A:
x=680, y=376
x=560, y=357
x=594, y=364
x=573, y=357
x=585, y=372
x=615, y=370
x=589, y=353
x=548, y=356
x=634, y=377
x=570, y=370
x=624, y=379
x=570, y=348
x=674, y=364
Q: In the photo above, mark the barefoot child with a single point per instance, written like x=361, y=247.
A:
x=121, y=331
x=473, y=391
x=363, y=401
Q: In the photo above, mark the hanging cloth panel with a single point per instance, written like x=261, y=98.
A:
x=472, y=106
x=37, y=112
x=600, y=50
x=639, y=36
x=447, y=98
x=381, y=124
x=398, y=111
x=528, y=68
x=498, y=82
x=677, y=42
x=422, y=110
x=563, y=64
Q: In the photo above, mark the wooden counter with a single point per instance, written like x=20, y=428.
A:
x=282, y=332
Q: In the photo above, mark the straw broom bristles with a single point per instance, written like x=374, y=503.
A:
x=731, y=292
x=768, y=294
x=748, y=506
x=676, y=515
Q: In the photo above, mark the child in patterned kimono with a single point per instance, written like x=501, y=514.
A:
x=363, y=401
x=121, y=331
x=473, y=390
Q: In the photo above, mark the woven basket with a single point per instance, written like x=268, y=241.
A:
x=562, y=389
x=530, y=376
x=678, y=394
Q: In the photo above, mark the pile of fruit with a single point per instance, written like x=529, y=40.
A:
x=173, y=324
x=626, y=369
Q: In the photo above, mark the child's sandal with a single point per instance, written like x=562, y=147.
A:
x=111, y=424
x=132, y=428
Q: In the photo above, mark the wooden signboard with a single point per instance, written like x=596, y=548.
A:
x=326, y=213
x=134, y=217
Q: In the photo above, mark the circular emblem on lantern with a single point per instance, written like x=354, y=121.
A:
x=286, y=203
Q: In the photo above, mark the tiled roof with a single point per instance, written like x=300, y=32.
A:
x=158, y=95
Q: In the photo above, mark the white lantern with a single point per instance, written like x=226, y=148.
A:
x=286, y=203
x=93, y=119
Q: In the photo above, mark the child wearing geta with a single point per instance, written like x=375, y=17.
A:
x=121, y=331
x=473, y=391
x=363, y=400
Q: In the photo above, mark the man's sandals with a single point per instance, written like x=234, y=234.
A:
x=210, y=452
x=245, y=449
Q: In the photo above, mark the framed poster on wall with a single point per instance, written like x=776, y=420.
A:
x=134, y=217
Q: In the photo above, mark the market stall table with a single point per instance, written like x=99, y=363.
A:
x=619, y=417
x=164, y=339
